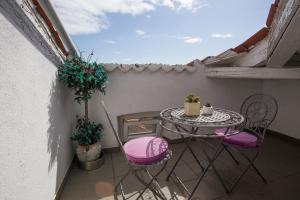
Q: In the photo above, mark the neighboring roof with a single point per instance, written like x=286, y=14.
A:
x=50, y=26
x=223, y=58
x=249, y=43
x=194, y=62
x=259, y=35
x=246, y=46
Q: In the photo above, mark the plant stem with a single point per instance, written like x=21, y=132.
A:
x=86, y=109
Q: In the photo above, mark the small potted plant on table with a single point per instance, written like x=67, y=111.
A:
x=207, y=109
x=192, y=105
x=85, y=77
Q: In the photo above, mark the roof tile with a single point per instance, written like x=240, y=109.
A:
x=271, y=15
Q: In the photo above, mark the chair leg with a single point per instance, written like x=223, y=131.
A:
x=260, y=174
x=251, y=164
x=148, y=185
x=233, y=186
x=155, y=182
x=119, y=184
x=231, y=155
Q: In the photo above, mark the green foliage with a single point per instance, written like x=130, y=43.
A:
x=84, y=76
x=87, y=133
x=191, y=98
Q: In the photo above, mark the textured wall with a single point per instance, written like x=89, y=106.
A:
x=36, y=113
x=153, y=91
x=288, y=96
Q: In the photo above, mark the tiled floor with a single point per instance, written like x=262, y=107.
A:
x=279, y=162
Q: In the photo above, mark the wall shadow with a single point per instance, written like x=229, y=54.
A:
x=60, y=111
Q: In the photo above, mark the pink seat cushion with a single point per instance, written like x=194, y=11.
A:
x=242, y=139
x=146, y=150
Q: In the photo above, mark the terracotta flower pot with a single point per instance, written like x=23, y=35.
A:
x=192, y=109
x=88, y=153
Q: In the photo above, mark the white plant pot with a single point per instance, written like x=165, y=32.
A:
x=92, y=165
x=207, y=110
x=192, y=109
x=88, y=153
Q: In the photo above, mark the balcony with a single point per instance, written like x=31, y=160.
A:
x=38, y=110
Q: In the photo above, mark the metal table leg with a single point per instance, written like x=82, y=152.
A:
x=219, y=150
x=177, y=161
x=194, y=131
x=210, y=164
x=187, y=146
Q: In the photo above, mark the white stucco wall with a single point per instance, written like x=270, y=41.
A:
x=36, y=114
x=288, y=96
x=134, y=91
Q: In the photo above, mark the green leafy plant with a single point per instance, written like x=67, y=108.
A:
x=191, y=98
x=85, y=77
x=87, y=133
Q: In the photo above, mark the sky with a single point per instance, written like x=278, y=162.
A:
x=159, y=31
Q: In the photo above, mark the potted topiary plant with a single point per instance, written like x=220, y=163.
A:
x=85, y=77
x=192, y=105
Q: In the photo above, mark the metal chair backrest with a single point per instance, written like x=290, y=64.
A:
x=259, y=111
x=112, y=126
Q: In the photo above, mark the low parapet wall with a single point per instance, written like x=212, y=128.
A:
x=152, y=89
